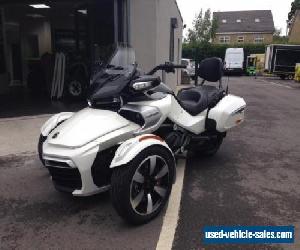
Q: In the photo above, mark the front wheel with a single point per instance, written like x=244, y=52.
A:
x=140, y=190
x=42, y=139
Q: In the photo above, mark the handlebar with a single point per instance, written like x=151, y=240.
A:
x=167, y=67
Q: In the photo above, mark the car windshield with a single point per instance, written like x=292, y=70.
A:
x=185, y=62
x=234, y=57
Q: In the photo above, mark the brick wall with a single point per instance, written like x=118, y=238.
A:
x=295, y=30
x=248, y=38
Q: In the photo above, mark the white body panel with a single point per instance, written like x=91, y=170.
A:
x=79, y=147
x=234, y=59
x=171, y=109
x=179, y=116
x=131, y=148
x=228, y=113
x=53, y=121
x=163, y=105
x=85, y=126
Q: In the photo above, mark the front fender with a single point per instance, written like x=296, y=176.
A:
x=53, y=121
x=132, y=147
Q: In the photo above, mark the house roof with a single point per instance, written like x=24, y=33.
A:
x=245, y=21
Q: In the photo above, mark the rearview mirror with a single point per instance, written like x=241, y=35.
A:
x=144, y=83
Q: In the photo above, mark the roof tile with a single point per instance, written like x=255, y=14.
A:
x=247, y=24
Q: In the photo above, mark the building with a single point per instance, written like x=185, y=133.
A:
x=244, y=27
x=86, y=29
x=294, y=28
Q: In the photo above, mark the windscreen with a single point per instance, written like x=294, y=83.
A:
x=115, y=75
x=124, y=57
x=234, y=57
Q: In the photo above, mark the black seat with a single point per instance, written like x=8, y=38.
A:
x=195, y=100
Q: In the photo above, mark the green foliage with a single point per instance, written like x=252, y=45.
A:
x=280, y=40
x=204, y=28
x=277, y=32
x=201, y=51
x=295, y=5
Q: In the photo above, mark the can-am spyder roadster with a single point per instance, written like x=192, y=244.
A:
x=126, y=139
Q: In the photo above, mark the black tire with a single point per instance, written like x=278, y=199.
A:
x=76, y=88
x=210, y=148
x=282, y=77
x=122, y=183
x=42, y=139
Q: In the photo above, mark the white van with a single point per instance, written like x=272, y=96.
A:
x=234, y=60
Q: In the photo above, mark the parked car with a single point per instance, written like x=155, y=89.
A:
x=234, y=60
x=281, y=60
x=190, y=67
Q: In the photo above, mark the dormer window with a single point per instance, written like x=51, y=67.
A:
x=257, y=20
x=224, y=21
x=238, y=20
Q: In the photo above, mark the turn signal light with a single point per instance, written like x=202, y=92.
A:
x=146, y=137
x=238, y=121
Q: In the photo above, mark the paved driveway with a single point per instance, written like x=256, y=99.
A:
x=255, y=177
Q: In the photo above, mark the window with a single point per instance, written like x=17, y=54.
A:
x=238, y=20
x=224, y=39
x=240, y=39
x=257, y=20
x=259, y=39
x=224, y=21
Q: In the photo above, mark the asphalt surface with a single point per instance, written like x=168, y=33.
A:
x=255, y=177
x=253, y=180
x=33, y=215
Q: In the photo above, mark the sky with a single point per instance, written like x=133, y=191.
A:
x=280, y=9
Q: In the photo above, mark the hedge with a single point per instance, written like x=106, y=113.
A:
x=198, y=52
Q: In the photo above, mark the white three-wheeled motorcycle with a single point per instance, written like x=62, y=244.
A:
x=127, y=138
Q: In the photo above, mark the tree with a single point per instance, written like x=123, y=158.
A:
x=277, y=38
x=277, y=31
x=295, y=6
x=204, y=28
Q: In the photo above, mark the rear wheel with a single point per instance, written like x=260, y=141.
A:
x=282, y=77
x=140, y=190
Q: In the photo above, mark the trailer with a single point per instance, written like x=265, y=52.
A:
x=281, y=60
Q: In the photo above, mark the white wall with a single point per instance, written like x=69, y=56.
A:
x=150, y=34
x=167, y=9
x=143, y=32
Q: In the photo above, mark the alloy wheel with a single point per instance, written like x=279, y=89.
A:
x=149, y=185
x=75, y=88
